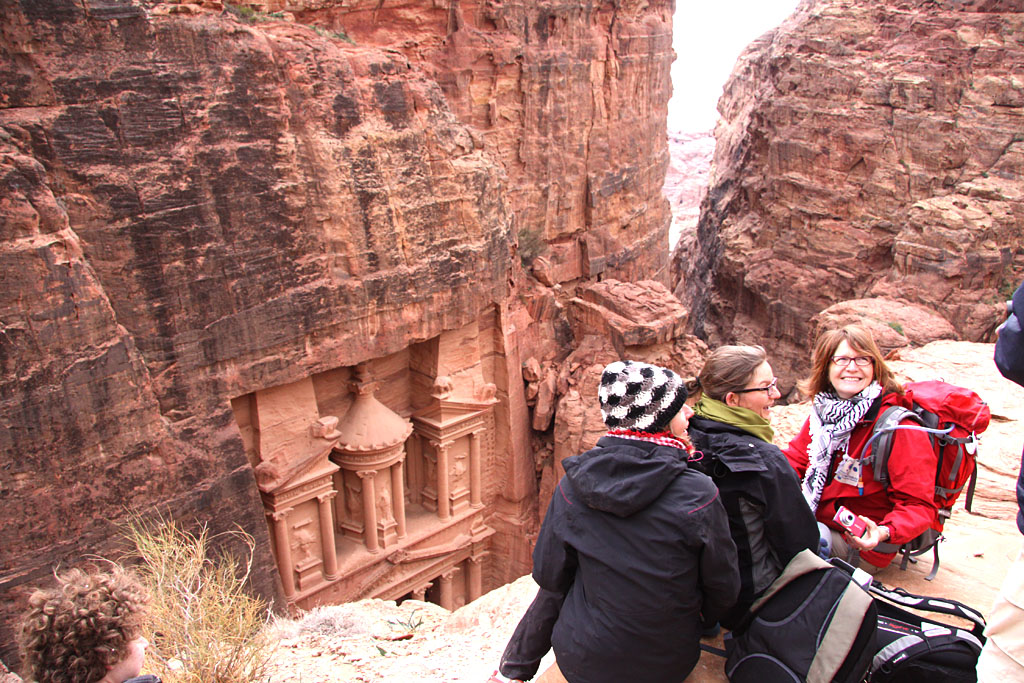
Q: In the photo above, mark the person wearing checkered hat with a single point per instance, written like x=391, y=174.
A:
x=634, y=550
x=641, y=399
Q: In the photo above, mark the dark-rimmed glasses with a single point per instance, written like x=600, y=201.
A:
x=773, y=385
x=859, y=361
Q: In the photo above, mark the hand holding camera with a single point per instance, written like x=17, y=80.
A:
x=864, y=533
x=849, y=521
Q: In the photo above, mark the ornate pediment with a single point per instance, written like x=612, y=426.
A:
x=279, y=476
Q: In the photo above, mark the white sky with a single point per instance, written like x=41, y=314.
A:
x=708, y=36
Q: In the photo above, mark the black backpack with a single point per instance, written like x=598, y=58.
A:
x=913, y=648
x=814, y=623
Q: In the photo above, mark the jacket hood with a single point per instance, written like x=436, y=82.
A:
x=622, y=476
x=736, y=449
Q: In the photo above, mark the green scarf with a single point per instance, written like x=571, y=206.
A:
x=743, y=418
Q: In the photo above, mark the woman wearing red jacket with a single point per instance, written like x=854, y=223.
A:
x=851, y=385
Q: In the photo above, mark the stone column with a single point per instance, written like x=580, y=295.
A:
x=327, y=534
x=447, y=598
x=443, y=483
x=398, y=497
x=415, y=458
x=475, y=482
x=369, y=510
x=421, y=593
x=474, y=569
x=284, y=551
x=339, y=501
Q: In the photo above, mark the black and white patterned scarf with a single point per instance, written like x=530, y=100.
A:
x=832, y=421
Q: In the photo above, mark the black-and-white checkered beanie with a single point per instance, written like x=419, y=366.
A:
x=640, y=397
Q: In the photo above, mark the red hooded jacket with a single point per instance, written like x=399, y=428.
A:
x=907, y=506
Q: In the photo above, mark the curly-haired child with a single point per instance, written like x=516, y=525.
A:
x=87, y=629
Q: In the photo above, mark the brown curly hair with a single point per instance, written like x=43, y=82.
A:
x=75, y=632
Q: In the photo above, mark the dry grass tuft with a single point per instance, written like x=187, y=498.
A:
x=204, y=625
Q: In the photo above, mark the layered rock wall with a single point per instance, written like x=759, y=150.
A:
x=865, y=149
x=200, y=205
x=195, y=209
x=570, y=97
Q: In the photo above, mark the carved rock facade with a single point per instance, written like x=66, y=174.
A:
x=864, y=150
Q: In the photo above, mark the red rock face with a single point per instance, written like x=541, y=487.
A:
x=195, y=210
x=570, y=97
x=865, y=150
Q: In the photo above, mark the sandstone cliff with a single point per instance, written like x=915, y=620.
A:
x=202, y=205
x=195, y=209
x=864, y=149
x=570, y=97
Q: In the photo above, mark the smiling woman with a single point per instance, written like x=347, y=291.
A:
x=850, y=372
x=851, y=384
x=730, y=429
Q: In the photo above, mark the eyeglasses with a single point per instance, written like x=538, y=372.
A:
x=773, y=385
x=859, y=361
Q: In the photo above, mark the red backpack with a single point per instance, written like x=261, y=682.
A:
x=953, y=417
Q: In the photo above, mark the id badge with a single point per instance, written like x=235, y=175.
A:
x=848, y=471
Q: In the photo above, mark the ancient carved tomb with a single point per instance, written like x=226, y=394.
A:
x=363, y=502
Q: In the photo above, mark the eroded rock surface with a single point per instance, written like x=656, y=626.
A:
x=864, y=150
x=206, y=211
x=193, y=209
x=572, y=98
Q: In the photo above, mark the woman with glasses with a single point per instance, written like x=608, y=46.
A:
x=731, y=432
x=851, y=384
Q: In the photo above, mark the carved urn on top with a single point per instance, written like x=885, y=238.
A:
x=370, y=452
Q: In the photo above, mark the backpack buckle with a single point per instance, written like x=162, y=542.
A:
x=971, y=445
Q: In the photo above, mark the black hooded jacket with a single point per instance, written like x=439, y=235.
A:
x=634, y=548
x=768, y=516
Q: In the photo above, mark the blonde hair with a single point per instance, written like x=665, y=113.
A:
x=860, y=340
x=728, y=368
x=75, y=632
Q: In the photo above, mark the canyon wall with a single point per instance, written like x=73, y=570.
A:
x=864, y=150
x=570, y=97
x=219, y=227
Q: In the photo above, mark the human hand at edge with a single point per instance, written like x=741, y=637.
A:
x=873, y=535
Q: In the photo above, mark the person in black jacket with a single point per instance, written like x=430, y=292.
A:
x=1009, y=359
x=730, y=430
x=634, y=548
x=1002, y=658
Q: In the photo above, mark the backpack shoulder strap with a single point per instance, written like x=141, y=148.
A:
x=804, y=562
x=902, y=598
x=881, y=439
